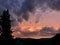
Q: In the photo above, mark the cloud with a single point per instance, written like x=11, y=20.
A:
x=33, y=7
x=21, y=8
x=47, y=31
x=29, y=5
x=30, y=11
x=30, y=33
x=25, y=16
x=54, y=4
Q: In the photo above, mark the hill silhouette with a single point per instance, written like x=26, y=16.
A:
x=56, y=39
x=7, y=39
x=43, y=41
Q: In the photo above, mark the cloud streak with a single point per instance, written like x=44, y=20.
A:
x=45, y=31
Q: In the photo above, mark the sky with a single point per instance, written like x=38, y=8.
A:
x=33, y=18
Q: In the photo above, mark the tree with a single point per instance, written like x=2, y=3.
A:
x=6, y=32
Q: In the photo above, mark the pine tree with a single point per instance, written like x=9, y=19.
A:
x=6, y=32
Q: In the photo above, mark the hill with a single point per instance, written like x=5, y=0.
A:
x=44, y=41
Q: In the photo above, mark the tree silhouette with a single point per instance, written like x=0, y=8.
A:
x=6, y=36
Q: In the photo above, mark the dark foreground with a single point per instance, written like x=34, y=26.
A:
x=46, y=41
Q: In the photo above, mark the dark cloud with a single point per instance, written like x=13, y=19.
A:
x=30, y=33
x=20, y=19
x=25, y=16
x=9, y=4
x=27, y=6
x=47, y=31
x=54, y=4
x=23, y=6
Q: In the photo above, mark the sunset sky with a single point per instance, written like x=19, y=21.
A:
x=33, y=18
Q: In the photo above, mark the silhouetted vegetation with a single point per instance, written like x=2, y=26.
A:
x=44, y=41
x=7, y=39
